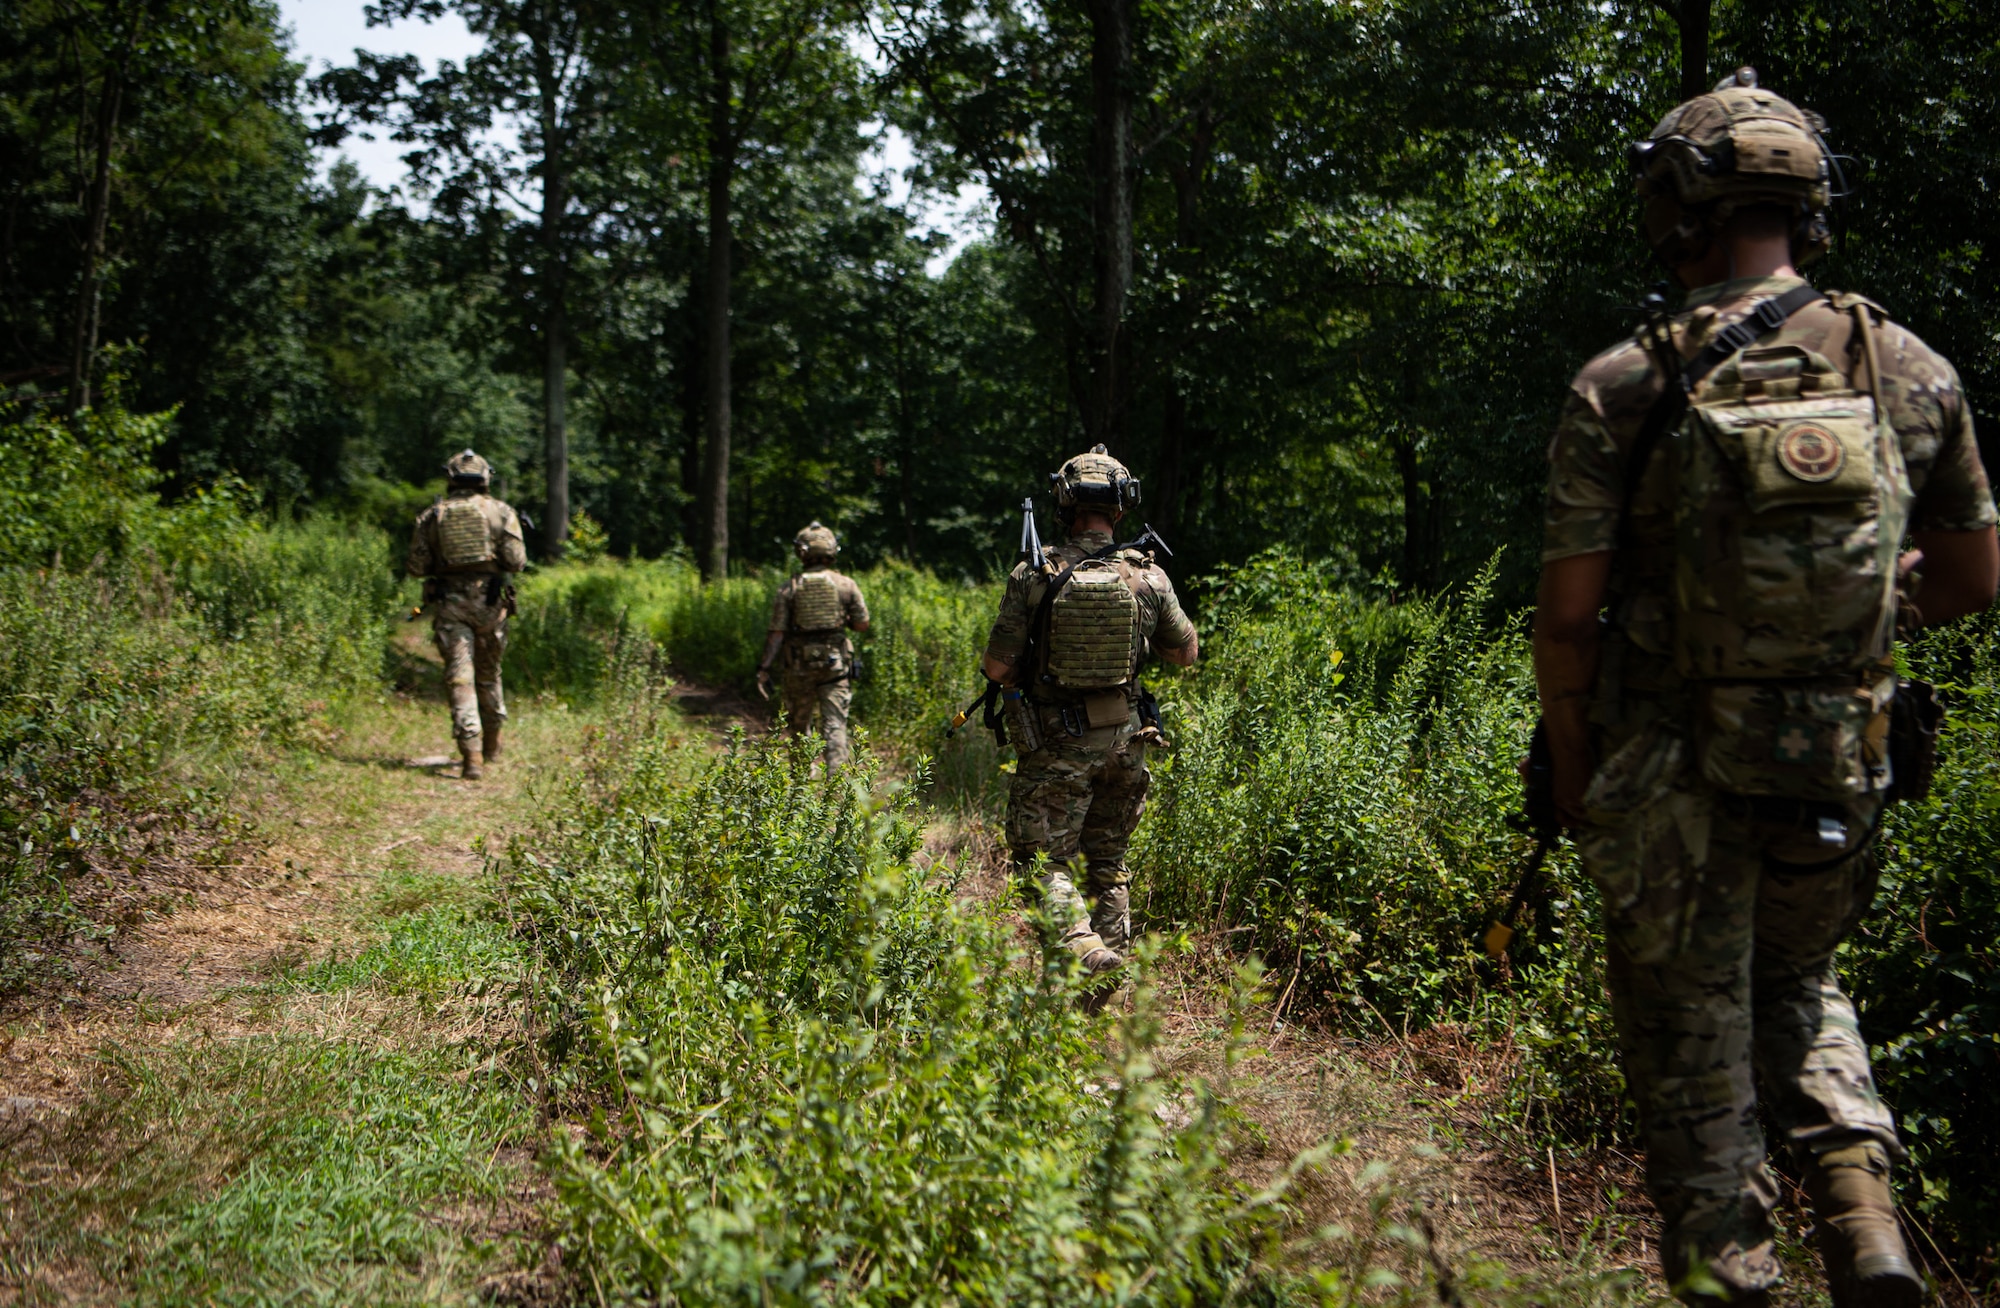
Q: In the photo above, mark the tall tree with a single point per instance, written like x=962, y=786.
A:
x=736, y=84
x=1692, y=20
x=536, y=73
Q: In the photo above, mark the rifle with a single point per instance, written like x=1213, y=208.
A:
x=1537, y=818
x=1031, y=539
x=991, y=720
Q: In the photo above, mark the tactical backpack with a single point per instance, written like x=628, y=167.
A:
x=1791, y=501
x=816, y=605
x=463, y=538
x=1093, y=628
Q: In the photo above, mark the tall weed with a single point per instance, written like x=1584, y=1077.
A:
x=817, y=1077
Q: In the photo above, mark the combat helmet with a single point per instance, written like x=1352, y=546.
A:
x=1735, y=147
x=1094, y=480
x=467, y=471
x=816, y=543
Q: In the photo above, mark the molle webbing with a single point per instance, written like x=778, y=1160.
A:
x=463, y=538
x=816, y=603
x=1092, y=624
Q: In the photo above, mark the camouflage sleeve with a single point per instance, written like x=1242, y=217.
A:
x=418, y=561
x=512, y=554
x=1953, y=493
x=1169, y=627
x=1010, y=629
x=854, y=604
x=1584, y=485
x=781, y=608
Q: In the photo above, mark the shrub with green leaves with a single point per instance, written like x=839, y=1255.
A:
x=1924, y=968
x=1361, y=834
x=818, y=1077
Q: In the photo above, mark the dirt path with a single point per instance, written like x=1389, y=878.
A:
x=139, y=1116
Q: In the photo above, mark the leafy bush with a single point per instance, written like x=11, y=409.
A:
x=817, y=1077
x=77, y=491
x=1925, y=970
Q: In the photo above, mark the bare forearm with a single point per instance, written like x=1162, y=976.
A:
x=772, y=643
x=1184, y=655
x=1567, y=646
x=1957, y=573
x=998, y=668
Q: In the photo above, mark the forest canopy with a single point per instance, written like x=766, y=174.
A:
x=1316, y=271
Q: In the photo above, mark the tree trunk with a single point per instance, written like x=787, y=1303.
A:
x=721, y=167
x=555, y=317
x=1188, y=179
x=83, y=337
x=1165, y=498
x=1416, y=513
x=1692, y=17
x=1111, y=166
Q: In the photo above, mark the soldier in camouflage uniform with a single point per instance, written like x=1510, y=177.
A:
x=810, y=619
x=464, y=547
x=1718, y=743
x=1069, y=671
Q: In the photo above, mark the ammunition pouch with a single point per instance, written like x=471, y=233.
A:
x=1021, y=720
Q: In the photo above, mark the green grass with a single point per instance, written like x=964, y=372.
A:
x=281, y=1169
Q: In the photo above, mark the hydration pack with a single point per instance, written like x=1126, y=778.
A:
x=1093, y=630
x=463, y=537
x=816, y=603
x=1791, y=503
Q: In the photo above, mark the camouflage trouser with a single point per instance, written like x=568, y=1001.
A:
x=1721, y=922
x=806, y=693
x=472, y=637
x=1079, y=804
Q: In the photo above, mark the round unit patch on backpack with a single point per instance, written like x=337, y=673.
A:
x=463, y=538
x=1093, y=629
x=816, y=603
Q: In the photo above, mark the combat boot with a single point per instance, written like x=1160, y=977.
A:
x=1867, y=1264
x=470, y=770
x=490, y=741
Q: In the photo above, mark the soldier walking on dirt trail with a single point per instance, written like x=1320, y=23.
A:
x=464, y=547
x=810, y=619
x=1066, y=650
x=1732, y=487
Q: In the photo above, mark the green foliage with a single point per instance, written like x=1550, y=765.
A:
x=1360, y=831
x=820, y=1078
x=922, y=653
x=278, y=1170
x=1924, y=969
x=192, y=632
x=77, y=491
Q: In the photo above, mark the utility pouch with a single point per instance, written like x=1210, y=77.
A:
x=1794, y=740
x=1914, y=719
x=496, y=586
x=1024, y=725
x=1107, y=709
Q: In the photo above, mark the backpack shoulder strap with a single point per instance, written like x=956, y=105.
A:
x=1765, y=317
